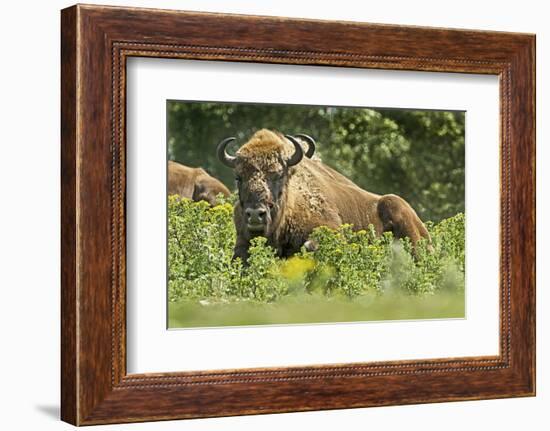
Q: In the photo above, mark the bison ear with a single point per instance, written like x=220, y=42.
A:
x=298, y=152
x=225, y=158
x=310, y=144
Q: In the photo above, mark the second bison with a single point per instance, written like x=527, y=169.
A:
x=194, y=183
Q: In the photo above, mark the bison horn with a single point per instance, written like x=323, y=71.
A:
x=310, y=143
x=225, y=158
x=298, y=154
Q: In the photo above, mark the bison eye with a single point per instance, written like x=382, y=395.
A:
x=238, y=179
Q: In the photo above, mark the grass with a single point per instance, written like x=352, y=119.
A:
x=316, y=309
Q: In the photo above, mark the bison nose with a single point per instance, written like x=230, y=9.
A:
x=255, y=215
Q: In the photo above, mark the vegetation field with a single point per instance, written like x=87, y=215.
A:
x=353, y=276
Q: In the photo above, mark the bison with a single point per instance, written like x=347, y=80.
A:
x=193, y=183
x=283, y=196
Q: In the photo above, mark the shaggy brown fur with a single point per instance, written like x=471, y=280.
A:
x=193, y=183
x=300, y=198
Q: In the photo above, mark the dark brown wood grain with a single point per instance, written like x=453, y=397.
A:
x=96, y=41
x=68, y=217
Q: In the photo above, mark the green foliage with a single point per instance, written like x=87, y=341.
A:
x=200, y=247
x=260, y=280
x=347, y=264
x=432, y=267
x=418, y=155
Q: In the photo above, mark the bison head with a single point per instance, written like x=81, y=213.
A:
x=262, y=169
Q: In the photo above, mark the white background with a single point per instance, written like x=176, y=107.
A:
x=29, y=216
x=151, y=348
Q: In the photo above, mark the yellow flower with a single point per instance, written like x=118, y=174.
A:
x=295, y=267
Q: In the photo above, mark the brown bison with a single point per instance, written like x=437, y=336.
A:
x=193, y=183
x=284, y=196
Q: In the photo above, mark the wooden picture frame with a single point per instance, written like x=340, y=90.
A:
x=95, y=43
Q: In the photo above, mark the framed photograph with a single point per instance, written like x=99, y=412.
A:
x=265, y=214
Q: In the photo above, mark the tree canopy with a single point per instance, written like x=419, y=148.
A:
x=416, y=154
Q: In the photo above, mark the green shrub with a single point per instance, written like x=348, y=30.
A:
x=261, y=280
x=349, y=263
x=346, y=264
